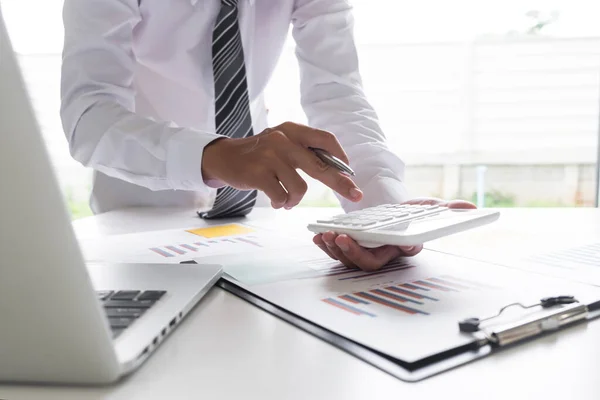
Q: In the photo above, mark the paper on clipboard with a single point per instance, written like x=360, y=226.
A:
x=411, y=311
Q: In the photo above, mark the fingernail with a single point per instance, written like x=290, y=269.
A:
x=288, y=208
x=410, y=248
x=355, y=193
x=344, y=247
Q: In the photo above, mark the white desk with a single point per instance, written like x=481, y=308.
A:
x=229, y=349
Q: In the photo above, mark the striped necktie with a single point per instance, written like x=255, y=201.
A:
x=232, y=106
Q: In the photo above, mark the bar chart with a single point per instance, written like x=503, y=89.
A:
x=176, y=250
x=408, y=298
x=327, y=267
x=173, y=246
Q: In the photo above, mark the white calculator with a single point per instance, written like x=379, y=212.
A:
x=403, y=224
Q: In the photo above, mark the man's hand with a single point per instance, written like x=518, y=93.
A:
x=268, y=162
x=346, y=250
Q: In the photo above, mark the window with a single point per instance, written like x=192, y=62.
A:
x=39, y=54
x=495, y=102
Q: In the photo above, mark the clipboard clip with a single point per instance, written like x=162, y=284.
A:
x=532, y=325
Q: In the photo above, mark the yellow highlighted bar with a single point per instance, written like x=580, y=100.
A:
x=221, y=230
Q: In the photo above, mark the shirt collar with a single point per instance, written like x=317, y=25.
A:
x=194, y=2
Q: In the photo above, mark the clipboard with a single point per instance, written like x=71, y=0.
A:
x=551, y=315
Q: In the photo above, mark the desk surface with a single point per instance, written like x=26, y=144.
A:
x=228, y=349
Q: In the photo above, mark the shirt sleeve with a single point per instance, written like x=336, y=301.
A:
x=98, y=104
x=333, y=99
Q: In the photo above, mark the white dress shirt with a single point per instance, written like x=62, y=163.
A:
x=138, y=94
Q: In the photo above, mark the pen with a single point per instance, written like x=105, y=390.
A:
x=332, y=160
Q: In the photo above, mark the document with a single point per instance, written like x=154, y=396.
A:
x=573, y=256
x=177, y=245
x=579, y=262
x=409, y=310
x=292, y=262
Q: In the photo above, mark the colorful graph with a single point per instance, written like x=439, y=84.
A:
x=334, y=268
x=175, y=250
x=408, y=298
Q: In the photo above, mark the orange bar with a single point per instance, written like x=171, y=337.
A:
x=340, y=307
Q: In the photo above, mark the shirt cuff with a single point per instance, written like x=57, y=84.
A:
x=382, y=190
x=184, y=159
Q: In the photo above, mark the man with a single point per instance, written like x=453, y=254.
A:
x=164, y=99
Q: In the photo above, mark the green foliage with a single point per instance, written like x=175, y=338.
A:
x=545, y=203
x=541, y=20
x=78, y=207
x=496, y=199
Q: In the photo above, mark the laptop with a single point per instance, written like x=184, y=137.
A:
x=62, y=321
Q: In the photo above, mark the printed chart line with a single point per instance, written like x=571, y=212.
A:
x=407, y=298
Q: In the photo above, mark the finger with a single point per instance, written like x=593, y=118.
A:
x=318, y=240
x=326, y=141
x=368, y=260
x=329, y=238
x=274, y=191
x=426, y=201
x=411, y=251
x=461, y=204
x=311, y=137
x=295, y=186
x=307, y=161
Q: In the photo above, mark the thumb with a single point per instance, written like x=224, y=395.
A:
x=461, y=204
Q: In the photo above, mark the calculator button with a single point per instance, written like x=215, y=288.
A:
x=417, y=211
x=367, y=224
x=324, y=221
x=432, y=207
x=402, y=215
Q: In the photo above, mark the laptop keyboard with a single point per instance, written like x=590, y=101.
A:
x=123, y=307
